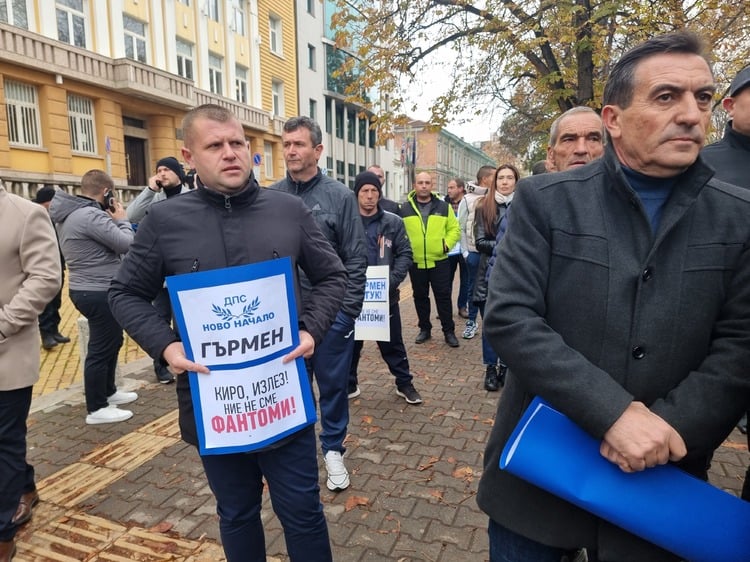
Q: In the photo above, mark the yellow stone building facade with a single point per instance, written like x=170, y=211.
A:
x=105, y=83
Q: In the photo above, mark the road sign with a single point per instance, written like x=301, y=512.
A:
x=257, y=159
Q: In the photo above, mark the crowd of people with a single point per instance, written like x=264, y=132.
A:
x=614, y=284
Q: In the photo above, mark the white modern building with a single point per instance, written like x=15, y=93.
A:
x=349, y=144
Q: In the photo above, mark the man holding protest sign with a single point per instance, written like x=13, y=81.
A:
x=387, y=245
x=231, y=222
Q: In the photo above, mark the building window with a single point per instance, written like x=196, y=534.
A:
x=274, y=37
x=184, y=2
x=81, y=123
x=184, y=59
x=71, y=26
x=311, y=7
x=329, y=165
x=340, y=171
x=22, y=110
x=268, y=158
x=313, y=109
x=135, y=38
x=240, y=84
x=363, y=126
x=340, y=122
x=277, y=96
x=238, y=17
x=329, y=122
x=17, y=15
x=213, y=9
x=311, y=56
x=351, y=120
x=215, y=74
x=352, y=171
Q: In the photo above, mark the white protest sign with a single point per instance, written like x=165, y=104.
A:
x=373, y=322
x=240, y=322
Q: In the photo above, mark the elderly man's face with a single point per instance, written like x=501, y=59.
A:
x=738, y=107
x=579, y=141
x=661, y=132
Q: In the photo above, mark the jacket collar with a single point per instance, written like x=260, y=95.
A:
x=735, y=139
x=243, y=198
x=686, y=190
x=301, y=186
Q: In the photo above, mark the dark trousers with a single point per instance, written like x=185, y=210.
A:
x=164, y=307
x=292, y=475
x=439, y=278
x=14, y=470
x=393, y=352
x=507, y=546
x=489, y=356
x=330, y=366
x=458, y=262
x=49, y=319
x=105, y=341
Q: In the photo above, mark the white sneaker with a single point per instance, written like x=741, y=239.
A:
x=119, y=398
x=338, y=477
x=110, y=414
x=470, y=331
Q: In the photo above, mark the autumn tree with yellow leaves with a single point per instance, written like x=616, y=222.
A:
x=529, y=60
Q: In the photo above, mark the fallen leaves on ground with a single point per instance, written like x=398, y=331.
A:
x=356, y=501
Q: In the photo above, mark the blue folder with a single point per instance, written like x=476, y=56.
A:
x=663, y=505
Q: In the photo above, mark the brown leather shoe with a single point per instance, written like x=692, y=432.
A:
x=7, y=550
x=25, y=509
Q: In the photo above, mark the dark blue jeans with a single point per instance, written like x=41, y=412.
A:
x=105, y=341
x=489, y=357
x=472, y=264
x=393, y=352
x=330, y=367
x=507, y=546
x=292, y=475
x=14, y=471
x=458, y=262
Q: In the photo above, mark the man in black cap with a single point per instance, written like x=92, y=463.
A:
x=168, y=181
x=49, y=319
x=730, y=157
x=387, y=244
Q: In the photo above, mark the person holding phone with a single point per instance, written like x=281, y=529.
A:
x=168, y=181
x=94, y=233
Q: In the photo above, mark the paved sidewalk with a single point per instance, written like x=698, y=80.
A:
x=134, y=491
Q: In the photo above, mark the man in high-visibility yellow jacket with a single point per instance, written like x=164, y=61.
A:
x=433, y=230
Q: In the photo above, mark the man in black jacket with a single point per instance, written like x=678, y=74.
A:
x=335, y=209
x=620, y=296
x=730, y=157
x=229, y=220
x=387, y=244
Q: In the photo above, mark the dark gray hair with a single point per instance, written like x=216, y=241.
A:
x=554, y=130
x=621, y=82
x=302, y=122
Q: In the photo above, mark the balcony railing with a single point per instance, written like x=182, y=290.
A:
x=130, y=77
x=249, y=116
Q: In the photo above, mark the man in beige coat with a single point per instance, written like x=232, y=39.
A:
x=29, y=278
